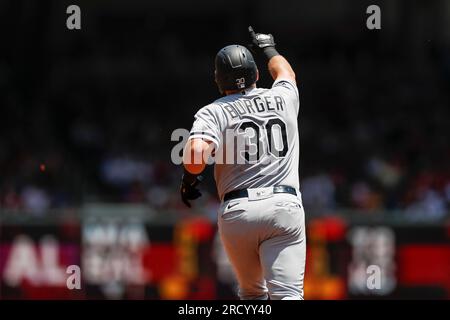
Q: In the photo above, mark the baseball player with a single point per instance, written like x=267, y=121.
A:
x=261, y=217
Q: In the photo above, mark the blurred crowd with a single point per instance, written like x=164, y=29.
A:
x=88, y=116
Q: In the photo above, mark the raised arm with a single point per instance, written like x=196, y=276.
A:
x=279, y=67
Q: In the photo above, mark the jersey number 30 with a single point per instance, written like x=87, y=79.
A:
x=269, y=136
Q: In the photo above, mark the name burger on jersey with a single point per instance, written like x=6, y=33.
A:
x=258, y=104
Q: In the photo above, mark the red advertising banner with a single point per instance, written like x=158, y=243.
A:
x=131, y=259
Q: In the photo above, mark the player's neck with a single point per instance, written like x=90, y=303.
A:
x=230, y=92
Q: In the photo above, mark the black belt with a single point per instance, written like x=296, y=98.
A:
x=242, y=193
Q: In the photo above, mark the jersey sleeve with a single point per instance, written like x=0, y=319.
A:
x=207, y=125
x=289, y=91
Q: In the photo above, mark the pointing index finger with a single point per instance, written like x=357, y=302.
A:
x=252, y=32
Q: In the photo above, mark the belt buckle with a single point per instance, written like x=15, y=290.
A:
x=259, y=193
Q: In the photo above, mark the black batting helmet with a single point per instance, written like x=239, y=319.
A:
x=235, y=68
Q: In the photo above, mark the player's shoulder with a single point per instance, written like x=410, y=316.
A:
x=211, y=107
x=211, y=110
x=217, y=105
x=285, y=83
x=287, y=87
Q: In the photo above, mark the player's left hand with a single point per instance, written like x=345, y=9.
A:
x=188, y=188
x=260, y=41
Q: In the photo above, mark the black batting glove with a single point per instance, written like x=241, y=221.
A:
x=188, y=188
x=262, y=43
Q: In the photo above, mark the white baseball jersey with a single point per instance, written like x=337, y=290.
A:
x=266, y=121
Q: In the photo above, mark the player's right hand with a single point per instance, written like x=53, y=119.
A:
x=260, y=41
x=188, y=190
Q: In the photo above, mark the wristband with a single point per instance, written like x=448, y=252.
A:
x=270, y=52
